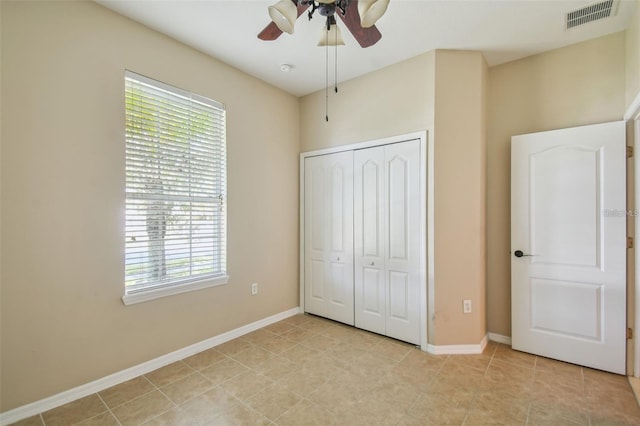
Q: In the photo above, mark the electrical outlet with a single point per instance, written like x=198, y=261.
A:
x=254, y=289
x=466, y=306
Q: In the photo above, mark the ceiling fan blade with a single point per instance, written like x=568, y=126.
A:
x=272, y=32
x=365, y=36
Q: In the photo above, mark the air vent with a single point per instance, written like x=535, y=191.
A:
x=591, y=13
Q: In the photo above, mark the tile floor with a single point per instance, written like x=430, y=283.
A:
x=310, y=371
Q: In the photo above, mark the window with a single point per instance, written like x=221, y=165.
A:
x=175, y=231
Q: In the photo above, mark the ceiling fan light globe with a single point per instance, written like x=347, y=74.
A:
x=371, y=10
x=333, y=37
x=284, y=15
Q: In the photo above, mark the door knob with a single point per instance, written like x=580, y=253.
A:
x=372, y=263
x=519, y=253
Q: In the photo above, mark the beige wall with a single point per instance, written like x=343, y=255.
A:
x=576, y=85
x=392, y=101
x=633, y=56
x=63, y=323
x=460, y=194
x=444, y=93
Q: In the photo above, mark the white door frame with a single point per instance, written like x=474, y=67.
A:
x=633, y=114
x=426, y=218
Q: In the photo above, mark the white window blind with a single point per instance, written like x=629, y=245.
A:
x=175, y=230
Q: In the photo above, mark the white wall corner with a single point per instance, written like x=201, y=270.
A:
x=499, y=338
x=457, y=349
x=87, y=389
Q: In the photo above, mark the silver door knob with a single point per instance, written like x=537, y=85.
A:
x=338, y=259
x=372, y=263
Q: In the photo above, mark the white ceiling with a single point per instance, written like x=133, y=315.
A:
x=504, y=30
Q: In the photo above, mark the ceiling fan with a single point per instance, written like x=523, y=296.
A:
x=358, y=16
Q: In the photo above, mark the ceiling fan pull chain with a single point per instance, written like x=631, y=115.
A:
x=335, y=88
x=326, y=84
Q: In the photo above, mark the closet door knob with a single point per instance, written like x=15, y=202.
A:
x=338, y=259
x=372, y=263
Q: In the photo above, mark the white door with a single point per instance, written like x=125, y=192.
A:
x=328, y=244
x=568, y=245
x=387, y=240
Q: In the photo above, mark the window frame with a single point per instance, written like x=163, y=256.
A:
x=143, y=293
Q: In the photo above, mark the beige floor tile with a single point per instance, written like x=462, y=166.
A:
x=408, y=420
x=104, y=419
x=277, y=344
x=551, y=412
x=464, y=363
x=613, y=419
x=31, y=421
x=507, y=376
x=204, y=408
x=316, y=325
x=470, y=367
x=276, y=367
x=298, y=319
x=142, y=409
x=434, y=409
x=335, y=398
x=522, y=359
x=246, y=385
x=274, y=401
x=368, y=365
x=482, y=418
x=300, y=354
x=303, y=380
x=174, y=417
x=223, y=371
x=280, y=328
x=169, y=374
x=75, y=412
x=344, y=376
x=126, y=391
x=501, y=405
x=319, y=342
x=558, y=367
x=306, y=413
x=204, y=359
x=253, y=356
x=187, y=388
x=394, y=350
x=240, y=415
x=338, y=331
x=259, y=336
x=298, y=334
x=234, y=346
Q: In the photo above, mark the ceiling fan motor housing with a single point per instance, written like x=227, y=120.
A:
x=327, y=9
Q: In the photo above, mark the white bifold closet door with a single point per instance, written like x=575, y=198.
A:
x=387, y=240
x=328, y=242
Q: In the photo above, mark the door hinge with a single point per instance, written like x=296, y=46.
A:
x=629, y=242
x=629, y=151
x=629, y=333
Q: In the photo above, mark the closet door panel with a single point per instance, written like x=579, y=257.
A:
x=314, y=244
x=370, y=281
x=402, y=209
x=329, y=236
x=399, y=296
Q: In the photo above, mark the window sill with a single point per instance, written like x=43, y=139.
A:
x=151, y=294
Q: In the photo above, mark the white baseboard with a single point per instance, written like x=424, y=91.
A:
x=87, y=389
x=499, y=338
x=457, y=349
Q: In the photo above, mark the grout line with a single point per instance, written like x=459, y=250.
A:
x=108, y=409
